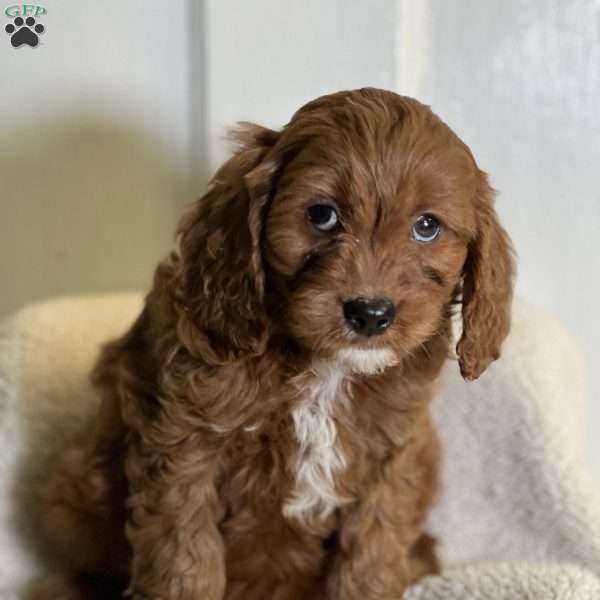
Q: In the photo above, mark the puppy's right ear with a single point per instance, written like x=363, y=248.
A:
x=221, y=280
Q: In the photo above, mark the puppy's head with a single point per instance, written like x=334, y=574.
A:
x=352, y=231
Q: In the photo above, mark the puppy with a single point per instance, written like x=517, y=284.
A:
x=264, y=429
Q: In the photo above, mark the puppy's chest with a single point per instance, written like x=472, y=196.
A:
x=295, y=461
x=318, y=460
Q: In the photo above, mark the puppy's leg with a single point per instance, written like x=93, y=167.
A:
x=423, y=559
x=377, y=534
x=178, y=552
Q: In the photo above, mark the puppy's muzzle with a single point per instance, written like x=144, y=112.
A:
x=369, y=316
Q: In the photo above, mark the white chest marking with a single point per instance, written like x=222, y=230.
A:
x=318, y=459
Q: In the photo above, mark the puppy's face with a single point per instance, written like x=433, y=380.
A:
x=351, y=230
x=368, y=233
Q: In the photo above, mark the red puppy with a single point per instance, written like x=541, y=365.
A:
x=264, y=430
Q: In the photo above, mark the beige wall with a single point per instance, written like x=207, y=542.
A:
x=95, y=148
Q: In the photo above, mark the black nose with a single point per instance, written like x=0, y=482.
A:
x=369, y=316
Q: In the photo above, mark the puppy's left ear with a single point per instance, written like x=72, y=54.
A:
x=487, y=288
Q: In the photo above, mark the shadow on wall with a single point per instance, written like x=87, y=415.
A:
x=86, y=206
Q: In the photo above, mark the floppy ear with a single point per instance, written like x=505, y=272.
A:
x=487, y=288
x=221, y=280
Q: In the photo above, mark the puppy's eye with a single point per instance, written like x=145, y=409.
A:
x=323, y=217
x=426, y=228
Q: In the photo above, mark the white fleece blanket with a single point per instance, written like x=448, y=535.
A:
x=518, y=518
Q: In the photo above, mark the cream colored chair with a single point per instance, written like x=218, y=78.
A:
x=518, y=517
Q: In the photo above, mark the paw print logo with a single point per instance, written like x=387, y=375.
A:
x=24, y=32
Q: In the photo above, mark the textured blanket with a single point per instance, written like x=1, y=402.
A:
x=518, y=518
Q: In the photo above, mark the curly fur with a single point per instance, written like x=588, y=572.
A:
x=249, y=445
